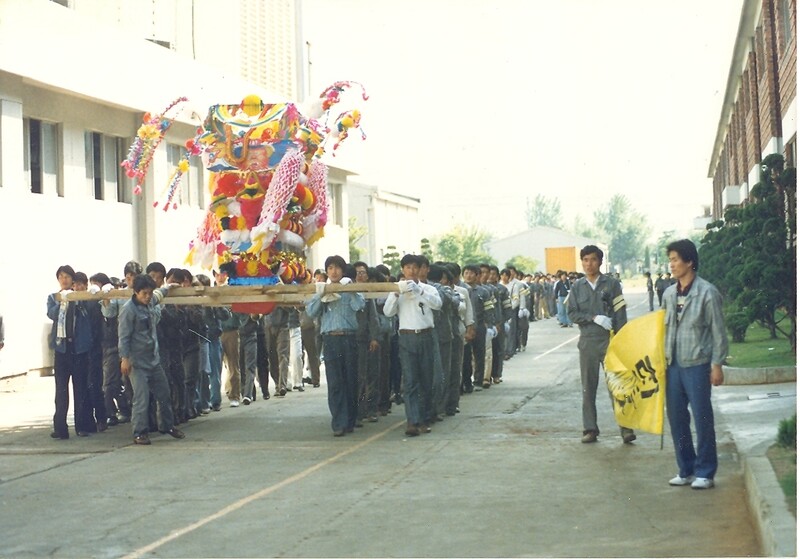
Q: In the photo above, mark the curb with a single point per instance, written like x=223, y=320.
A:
x=759, y=375
x=776, y=526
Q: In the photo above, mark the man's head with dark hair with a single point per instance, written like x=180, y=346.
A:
x=375, y=276
x=335, y=260
x=349, y=272
x=474, y=268
x=384, y=269
x=80, y=278
x=686, y=251
x=361, y=271
x=100, y=279
x=203, y=279
x=143, y=281
x=174, y=275
x=155, y=267
x=423, y=260
x=132, y=268
x=187, y=276
x=360, y=263
x=592, y=249
x=437, y=273
x=66, y=269
x=455, y=269
x=409, y=259
x=511, y=269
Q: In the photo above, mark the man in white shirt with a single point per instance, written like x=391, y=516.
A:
x=414, y=307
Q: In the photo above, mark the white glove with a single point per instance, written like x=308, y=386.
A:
x=603, y=321
x=106, y=288
x=345, y=281
x=93, y=289
x=491, y=333
x=330, y=297
x=414, y=288
x=507, y=327
x=402, y=285
x=523, y=313
x=319, y=287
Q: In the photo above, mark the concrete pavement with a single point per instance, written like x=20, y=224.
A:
x=506, y=477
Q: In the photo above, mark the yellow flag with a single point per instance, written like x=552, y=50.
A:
x=636, y=371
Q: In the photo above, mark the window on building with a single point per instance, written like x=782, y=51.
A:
x=105, y=179
x=790, y=152
x=785, y=16
x=335, y=203
x=760, y=55
x=41, y=156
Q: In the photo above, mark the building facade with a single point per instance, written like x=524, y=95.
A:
x=390, y=220
x=759, y=112
x=72, y=96
x=548, y=247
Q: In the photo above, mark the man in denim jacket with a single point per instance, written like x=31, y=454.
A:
x=695, y=346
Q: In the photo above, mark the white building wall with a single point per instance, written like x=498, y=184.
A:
x=82, y=74
x=390, y=219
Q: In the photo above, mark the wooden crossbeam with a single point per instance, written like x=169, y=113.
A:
x=282, y=294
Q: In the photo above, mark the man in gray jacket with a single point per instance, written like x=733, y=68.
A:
x=695, y=348
x=138, y=351
x=596, y=304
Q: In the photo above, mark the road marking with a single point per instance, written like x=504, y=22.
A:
x=255, y=496
x=551, y=350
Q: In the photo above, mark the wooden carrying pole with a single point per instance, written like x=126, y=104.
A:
x=286, y=294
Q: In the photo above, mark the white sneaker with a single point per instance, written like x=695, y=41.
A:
x=234, y=403
x=246, y=401
x=703, y=483
x=678, y=480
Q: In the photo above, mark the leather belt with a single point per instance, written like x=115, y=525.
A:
x=420, y=331
x=339, y=333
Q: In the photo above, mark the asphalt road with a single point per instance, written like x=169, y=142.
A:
x=507, y=476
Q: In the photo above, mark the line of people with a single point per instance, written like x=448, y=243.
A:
x=481, y=322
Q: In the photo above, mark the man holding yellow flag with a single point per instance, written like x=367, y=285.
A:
x=596, y=304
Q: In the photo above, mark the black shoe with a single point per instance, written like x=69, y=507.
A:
x=175, y=433
x=308, y=380
x=216, y=407
x=141, y=439
x=55, y=435
x=112, y=421
x=82, y=433
x=316, y=385
x=468, y=389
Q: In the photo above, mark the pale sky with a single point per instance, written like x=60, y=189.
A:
x=477, y=105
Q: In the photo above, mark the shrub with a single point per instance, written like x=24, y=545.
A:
x=737, y=323
x=787, y=432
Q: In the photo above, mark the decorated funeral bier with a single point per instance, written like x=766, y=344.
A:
x=268, y=189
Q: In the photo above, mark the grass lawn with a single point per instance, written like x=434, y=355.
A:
x=784, y=462
x=761, y=351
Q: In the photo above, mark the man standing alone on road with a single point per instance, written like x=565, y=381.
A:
x=695, y=348
x=596, y=303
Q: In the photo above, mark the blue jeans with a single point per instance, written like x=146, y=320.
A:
x=562, y=311
x=215, y=376
x=691, y=386
x=341, y=372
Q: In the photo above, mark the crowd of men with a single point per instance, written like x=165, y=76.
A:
x=207, y=353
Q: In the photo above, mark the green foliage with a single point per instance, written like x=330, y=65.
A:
x=624, y=229
x=391, y=258
x=524, y=264
x=464, y=245
x=544, y=211
x=737, y=323
x=426, y=249
x=752, y=258
x=355, y=233
x=582, y=229
x=787, y=432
